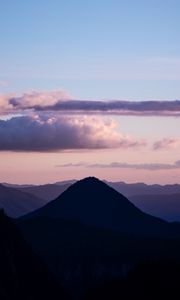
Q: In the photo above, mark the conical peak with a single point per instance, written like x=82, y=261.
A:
x=92, y=202
x=90, y=179
x=89, y=182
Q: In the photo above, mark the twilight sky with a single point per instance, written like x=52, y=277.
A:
x=90, y=88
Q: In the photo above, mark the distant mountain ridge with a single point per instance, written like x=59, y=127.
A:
x=165, y=206
x=47, y=192
x=127, y=189
x=131, y=189
x=17, y=203
x=162, y=201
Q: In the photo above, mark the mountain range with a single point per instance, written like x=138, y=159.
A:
x=94, y=203
x=91, y=234
x=157, y=200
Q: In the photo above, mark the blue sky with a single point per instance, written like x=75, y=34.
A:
x=59, y=50
x=92, y=49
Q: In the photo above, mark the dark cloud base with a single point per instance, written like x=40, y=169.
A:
x=52, y=133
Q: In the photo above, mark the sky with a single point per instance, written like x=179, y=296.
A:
x=90, y=88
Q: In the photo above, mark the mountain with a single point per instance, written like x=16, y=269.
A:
x=164, y=206
x=132, y=189
x=91, y=234
x=69, y=182
x=22, y=275
x=161, y=201
x=92, y=202
x=17, y=203
x=14, y=185
x=47, y=192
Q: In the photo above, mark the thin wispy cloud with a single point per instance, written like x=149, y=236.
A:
x=123, y=165
x=116, y=107
x=166, y=144
x=61, y=102
x=57, y=133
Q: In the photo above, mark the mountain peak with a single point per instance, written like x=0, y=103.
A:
x=92, y=190
x=92, y=202
x=89, y=180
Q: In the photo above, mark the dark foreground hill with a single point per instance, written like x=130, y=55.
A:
x=149, y=280
x=83, y=257
x=22, y=275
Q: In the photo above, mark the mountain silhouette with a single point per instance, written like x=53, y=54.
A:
x=94, y=203
x=91, y=233
x=156, y=200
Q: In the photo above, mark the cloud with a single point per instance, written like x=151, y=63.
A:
x=79, y=164
x=12, y=103
x=55, y=133
x=117, y=107
x=61, y=102
x=38, y=99
x=166, y=144
x=5, y=105
x=123, y=165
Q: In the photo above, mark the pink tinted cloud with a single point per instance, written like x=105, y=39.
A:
x=56, y=133
x=124, y=165
x=166, y=144
x=11, y=103
x=5, y=105
x=35, y=99
x=62, y=102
